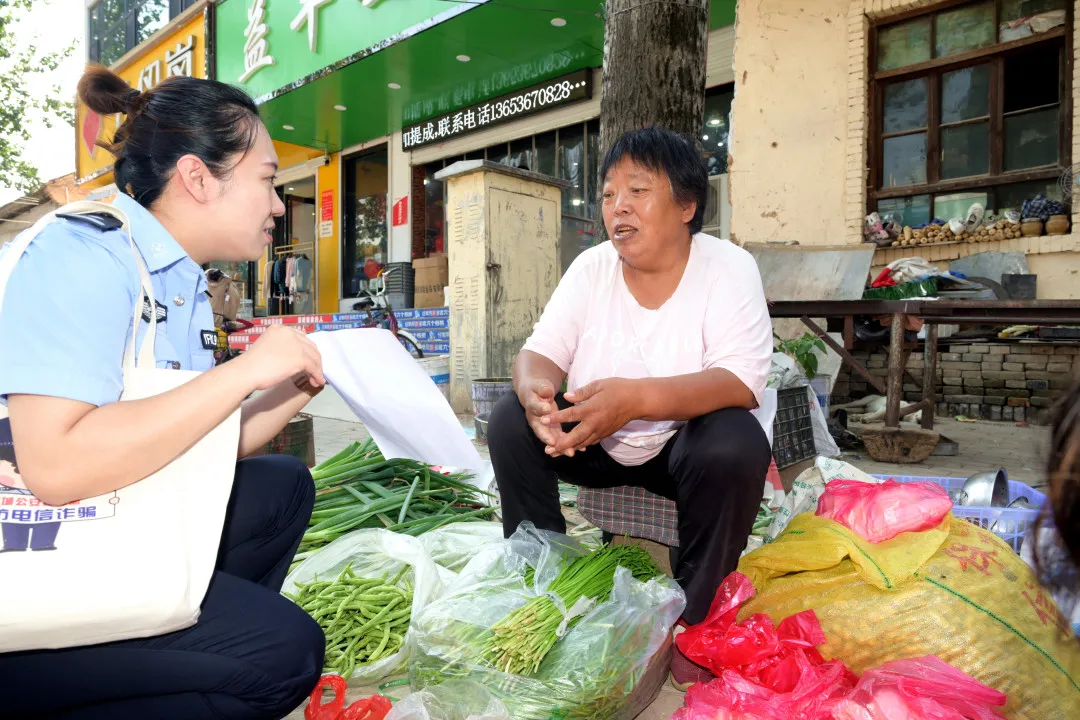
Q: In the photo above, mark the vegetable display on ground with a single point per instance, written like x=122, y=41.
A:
x=359, y=488
x=364, y=619
x=521, y=640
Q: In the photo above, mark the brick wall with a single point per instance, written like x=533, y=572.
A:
x=991, y=381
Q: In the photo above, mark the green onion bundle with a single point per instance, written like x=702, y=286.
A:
x=364, y=619
x=359, y=488
x=520, y=641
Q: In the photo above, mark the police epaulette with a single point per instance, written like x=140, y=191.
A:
x=100, y=221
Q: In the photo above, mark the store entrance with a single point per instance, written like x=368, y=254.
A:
x=291, y=266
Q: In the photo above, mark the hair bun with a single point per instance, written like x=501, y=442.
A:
x=105, y=92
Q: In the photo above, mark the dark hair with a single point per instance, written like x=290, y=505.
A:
x=665, y=151
x=213, y=121
x=7, y=445
x=1063, y=470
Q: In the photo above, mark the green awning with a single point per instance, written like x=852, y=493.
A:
x=342, y=95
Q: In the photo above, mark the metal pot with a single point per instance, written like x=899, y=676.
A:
x=480, y=422
x=986, y=489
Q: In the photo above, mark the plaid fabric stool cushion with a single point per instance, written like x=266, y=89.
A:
x=631, y=511
x=639, y=513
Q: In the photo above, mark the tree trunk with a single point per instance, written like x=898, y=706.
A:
x=654, y=66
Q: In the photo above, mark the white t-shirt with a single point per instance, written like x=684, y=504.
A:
x=593, y=329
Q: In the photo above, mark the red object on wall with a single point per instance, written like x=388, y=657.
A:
x=401, y=212
x=327, y=203
x=90, y=129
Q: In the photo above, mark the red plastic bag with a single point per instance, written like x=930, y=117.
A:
x=919, y=689
x=880, y=512
x=318, y=710
x=375, y=707
x=734, y=697
x=763, y=671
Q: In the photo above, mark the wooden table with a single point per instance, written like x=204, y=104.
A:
x=932, y=313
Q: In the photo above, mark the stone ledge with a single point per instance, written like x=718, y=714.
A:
x=944, y=252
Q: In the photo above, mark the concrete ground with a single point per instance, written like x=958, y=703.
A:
x=982, y=446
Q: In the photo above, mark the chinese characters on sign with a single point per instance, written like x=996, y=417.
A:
x=177, y=62
x=256, y=46
x=309, y=15
x=544, y=96
x=150, y=76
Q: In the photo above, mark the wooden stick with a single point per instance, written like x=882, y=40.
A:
x=896, y=371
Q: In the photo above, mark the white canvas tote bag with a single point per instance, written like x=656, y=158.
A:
x=133, y=563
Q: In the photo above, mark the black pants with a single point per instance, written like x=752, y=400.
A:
x=253, y=654
x=714, y=469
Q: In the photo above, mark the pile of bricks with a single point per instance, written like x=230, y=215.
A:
x=991, y=381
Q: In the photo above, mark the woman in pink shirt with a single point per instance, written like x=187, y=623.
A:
x=664, y=339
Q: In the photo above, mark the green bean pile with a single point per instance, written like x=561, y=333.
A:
x=359, y=488
x=520, y=641
x=364, y=619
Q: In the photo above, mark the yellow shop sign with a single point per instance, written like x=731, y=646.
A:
x=180, y=52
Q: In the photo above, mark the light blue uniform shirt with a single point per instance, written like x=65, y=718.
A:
x=68, y=308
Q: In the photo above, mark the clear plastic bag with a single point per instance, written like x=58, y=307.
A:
x=376, y=553
x=453, y=546
x=609, y=665
x=453, y=700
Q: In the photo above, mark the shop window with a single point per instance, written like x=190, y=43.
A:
x=572, y=168
x=717, y=131
x=117, y=26
x=546, y=146
x=364, y=240
x=571, y=153
x=499, y=153
x=434, y=210
x=521, y=154
x=965, y=110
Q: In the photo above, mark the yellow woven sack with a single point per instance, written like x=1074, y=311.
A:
x=957, y=592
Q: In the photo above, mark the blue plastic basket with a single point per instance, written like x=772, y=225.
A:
x=1010, y=524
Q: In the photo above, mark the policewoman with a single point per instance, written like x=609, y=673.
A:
x=195, y=169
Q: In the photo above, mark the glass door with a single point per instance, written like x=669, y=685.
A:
x=290, y=270
x=364, y=242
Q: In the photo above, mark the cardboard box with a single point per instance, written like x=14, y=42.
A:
x=432, y=274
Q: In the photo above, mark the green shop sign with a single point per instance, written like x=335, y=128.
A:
x=269, y=47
